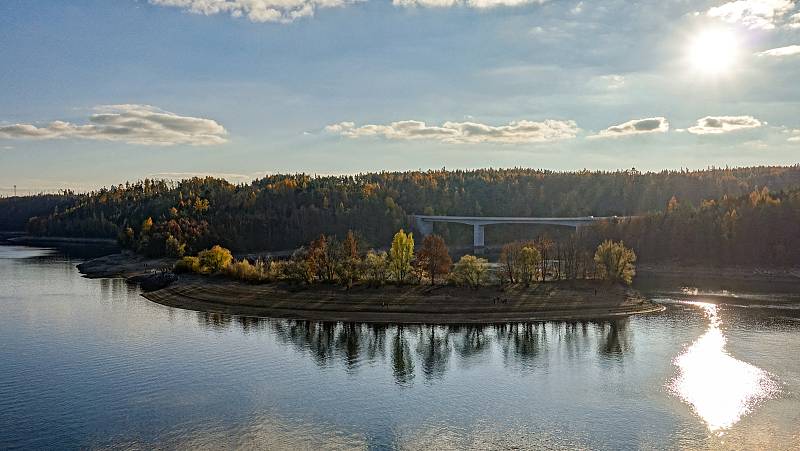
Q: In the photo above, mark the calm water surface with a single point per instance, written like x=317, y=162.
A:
x=91, y=364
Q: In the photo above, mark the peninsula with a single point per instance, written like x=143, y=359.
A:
x=298, y=289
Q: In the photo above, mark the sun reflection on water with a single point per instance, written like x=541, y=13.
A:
x=720, y=388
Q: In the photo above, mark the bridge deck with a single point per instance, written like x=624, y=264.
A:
x=471, y=219
x=425, y=222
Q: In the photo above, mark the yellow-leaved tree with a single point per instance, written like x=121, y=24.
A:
x=400, y=255
x=215, y=259
x=615, y=262
x=470, y=270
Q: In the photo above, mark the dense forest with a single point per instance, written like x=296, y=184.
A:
x=16, y=211
x=759, y=228
x=741, y=215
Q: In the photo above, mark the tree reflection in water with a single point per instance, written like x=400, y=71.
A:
x=348, y=344
x=521, y=343
x=470, y=341
x=615, y=339
x=430, y=349
x=402, y=361
x=433, y=348
x=215, y=321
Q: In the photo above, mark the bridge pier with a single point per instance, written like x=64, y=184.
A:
x=424, y=227
x=477, y=235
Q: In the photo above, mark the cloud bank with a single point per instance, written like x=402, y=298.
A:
x=790, y=50
x=516, y=132
x=714, y=125
x=756, y=14
x=133, y=124
x=635, y=127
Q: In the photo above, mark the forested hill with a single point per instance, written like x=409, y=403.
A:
x=16, y=211
x=283, y=211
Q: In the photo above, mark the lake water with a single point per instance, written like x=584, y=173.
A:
x=91, y=364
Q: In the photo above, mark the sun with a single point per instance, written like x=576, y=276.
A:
x=713, y=52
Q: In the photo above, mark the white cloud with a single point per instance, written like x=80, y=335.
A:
x=635, y=127
x=795, y=136
x=608, y=82
x=790, y=50
x=763, y=14
x=133, y=124
x=285, y=11
x=794, y=21
x=710, y=125
x=496, y=3
x=516, y=132
x=255, y=10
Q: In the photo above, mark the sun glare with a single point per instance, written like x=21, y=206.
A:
x=720, y=388
x=713, y=52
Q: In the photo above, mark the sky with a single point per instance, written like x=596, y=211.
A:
x=98, y=92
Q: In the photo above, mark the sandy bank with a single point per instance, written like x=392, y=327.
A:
x=578, y=300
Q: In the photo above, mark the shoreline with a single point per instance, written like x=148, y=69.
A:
x=407, y=304
x=749, y=273
x=126, y=264
x=32, y=240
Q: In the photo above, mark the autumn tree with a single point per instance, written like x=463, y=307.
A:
x=529, y=260
x=519, y=261
x=470, y=270
x=433, y=258
x=321, y=258
x=147, y=225
x=400, y=255
x=510, y=257
x=215, y=259
x=376, y=267
x=348, y=260
x=174, y=248
x=615, y=262
x=543, y=245
x=298, y=267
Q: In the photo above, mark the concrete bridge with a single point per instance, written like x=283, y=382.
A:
x=425, y=223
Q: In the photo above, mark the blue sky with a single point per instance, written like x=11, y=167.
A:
x=95, y=92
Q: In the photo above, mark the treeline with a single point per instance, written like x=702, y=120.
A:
x=284, y=211
x=760, y=228
x=344, y=262
x=16, y=211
